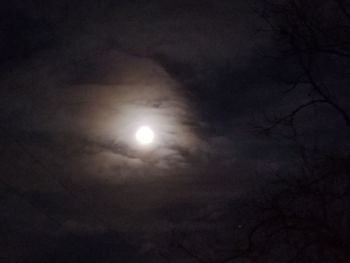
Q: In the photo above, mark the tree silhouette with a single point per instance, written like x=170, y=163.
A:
x=304, y=216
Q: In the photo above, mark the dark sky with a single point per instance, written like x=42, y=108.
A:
x=77, y=79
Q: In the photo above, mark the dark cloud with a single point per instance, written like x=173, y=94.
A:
x=78, y=77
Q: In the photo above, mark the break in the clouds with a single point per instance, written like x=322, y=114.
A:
x=103, y=117
x=141, y=93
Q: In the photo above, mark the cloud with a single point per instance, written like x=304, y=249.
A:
x=76, y=101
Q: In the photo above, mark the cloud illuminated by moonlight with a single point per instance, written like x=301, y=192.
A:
x=140, y=94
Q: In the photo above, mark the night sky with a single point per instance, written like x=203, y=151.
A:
x=249, y=103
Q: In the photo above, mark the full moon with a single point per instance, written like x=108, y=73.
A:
x=144, y=135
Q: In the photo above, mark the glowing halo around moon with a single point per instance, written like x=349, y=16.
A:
x=144, y=135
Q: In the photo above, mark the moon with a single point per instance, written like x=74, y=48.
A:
x=144, y=135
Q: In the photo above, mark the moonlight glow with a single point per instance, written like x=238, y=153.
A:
x=144, y=135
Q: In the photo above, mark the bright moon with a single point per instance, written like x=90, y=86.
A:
x=144, y=135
